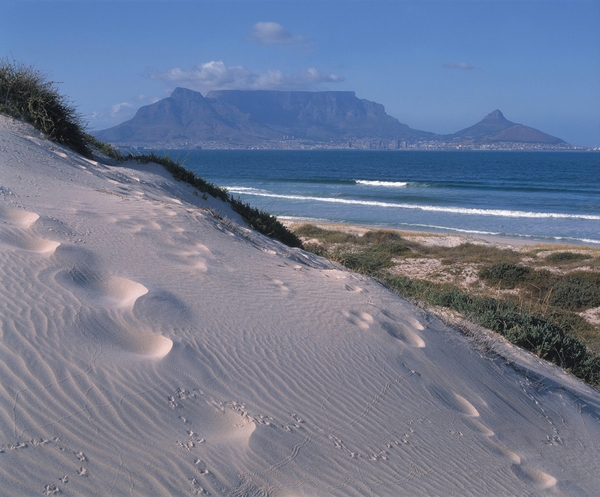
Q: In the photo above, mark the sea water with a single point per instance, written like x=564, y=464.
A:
x=530, y=195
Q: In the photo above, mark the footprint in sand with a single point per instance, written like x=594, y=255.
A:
x=105, y=290
x=108, y=314
x=354, y=289
x=454, y=401
x=405, y=317
x=17, y=217
x=279, y=285
x=123, y=333
x=404, y=333
x=478, y=427
x=502, y=451
x=20, y=240
x=14, y=235
x=361, y=319
x=534, y=477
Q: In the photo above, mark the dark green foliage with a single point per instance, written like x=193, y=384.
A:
x=261, y=221
x=265, y=223
x=505, y=274
x=26, y=94
x=368, y=261
x=566, y=257
x=382, y=237
x=577, y=291
x=382, y=248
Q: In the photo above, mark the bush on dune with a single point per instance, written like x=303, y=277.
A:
x=26, y=94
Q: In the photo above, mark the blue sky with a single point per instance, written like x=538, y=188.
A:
x=435, y=65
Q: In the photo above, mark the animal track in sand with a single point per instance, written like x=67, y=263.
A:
x=18, y=217
x=534, y=477
x=402, y=332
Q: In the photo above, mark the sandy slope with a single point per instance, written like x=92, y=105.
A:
x=149, y=348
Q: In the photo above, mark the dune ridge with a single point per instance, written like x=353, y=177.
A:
x=151, y=344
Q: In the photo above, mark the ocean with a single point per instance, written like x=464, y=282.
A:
x=546, y=196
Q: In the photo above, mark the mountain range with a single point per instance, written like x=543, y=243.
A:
x=251, y=118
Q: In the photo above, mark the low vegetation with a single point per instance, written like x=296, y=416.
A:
x=526, y=296
x=26, y=94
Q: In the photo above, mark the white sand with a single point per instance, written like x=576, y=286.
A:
x=148, y=348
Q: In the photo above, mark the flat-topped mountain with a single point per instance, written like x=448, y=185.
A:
x=496, y=128
x=259, y=118
x=240, y=116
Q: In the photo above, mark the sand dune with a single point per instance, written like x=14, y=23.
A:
x=151, y=348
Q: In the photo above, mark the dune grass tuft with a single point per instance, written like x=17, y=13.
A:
x=26, y=94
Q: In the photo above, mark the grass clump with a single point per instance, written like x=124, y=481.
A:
x=577, y=291
x=505, y=275
x=567, y=257
x=325, y=235
x=368, y=261
x=26, y=94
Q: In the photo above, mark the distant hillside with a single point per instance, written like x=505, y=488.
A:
x=285, y=119
x=496, y=128
x=238, y=116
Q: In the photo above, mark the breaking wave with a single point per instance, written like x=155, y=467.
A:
x=429, y=208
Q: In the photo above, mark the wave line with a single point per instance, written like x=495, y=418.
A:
x=429, y=208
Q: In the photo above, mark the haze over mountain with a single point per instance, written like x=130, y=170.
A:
x=243, y=117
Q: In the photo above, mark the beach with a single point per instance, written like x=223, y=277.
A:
x=153, y=344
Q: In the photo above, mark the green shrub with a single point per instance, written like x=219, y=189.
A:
x=505, y=274
x=577, y=291
x=372, y=259
x=368, y=261
x=26, y=94
x=566, y=257
x=473, y=253
x=381, y=237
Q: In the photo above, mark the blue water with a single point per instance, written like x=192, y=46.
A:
x=540, y=195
